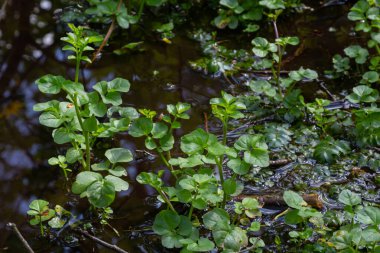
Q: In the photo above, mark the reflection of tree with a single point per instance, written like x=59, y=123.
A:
x=21, y=36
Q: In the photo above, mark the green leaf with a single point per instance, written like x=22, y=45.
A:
x=349, y=198
x=229, y=186
x=302, y=74
x=255, y=226
x=119, y=84
x=293, y=218
x=118, y=171
x=118, y=183
x=56, y=223
x=294, y=200
x=196, y=141
x=363, y=93
x=202, y=245
x=119, y=155
x=232, y=4
x=369, y=215
x=370, y=77
x=216, y=219
x=261, y=47
x=371, y=235
x=167, y=142
x=110, y=91
x=90, y=124
x=273, y=4
x=150, y=179
x=123, y=20
x=88, y=177
x=38, y=205
x=62, y=135
x=50, y=84
x=159, y=130
x=357, y=52
x=50, y=119
x=188, y=184
x=255, y=149
x=141, y=127
x=165, y=222
x=238, y=166
x=47, y=106
x=150, y=143
x=101, y=193
x=233, y=239
x=73, y=155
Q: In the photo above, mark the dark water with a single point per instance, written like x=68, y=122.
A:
x=30, y=48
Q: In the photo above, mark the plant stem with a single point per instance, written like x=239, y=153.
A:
x=77, y=112
x=280, y=52
x=167, y=201
x=225, y=126
x=141, y=8
x=170, y=167
x=191, y=211
x=41, y=227
x=220, y=169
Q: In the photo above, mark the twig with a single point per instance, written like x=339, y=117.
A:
x=101, y=242
x=265, y=71
x=280, y=162
x=206, y=121
x=327, y=91
x=227, y=79
x=3, y=9
x=108, y=35
x=275, y=29
x=276, y=199
x=256, y=122
x=14, y=228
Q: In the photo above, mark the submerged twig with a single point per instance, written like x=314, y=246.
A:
x=252, y=123
x=276, y=199
x=206, y=121
x=280, y=162
x=108, y=34
x=101, y=242
x=14, y=228
x=324, y=88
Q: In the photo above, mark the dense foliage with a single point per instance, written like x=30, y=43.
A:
x=205, y=208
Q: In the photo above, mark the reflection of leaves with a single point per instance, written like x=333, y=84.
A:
x=367, y=123
x=329, y=149
x=277, y=135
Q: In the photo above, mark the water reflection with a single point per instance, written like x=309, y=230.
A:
x=30, y=48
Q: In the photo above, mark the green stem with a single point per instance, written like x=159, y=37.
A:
x=77, y=112
x=280, y=52
x=378, y=49
x=41, y=227
x=191, y=211
x=167, y=201
x=140, y=9
x=170, y=167
x=220, y=169
x=225, y=126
